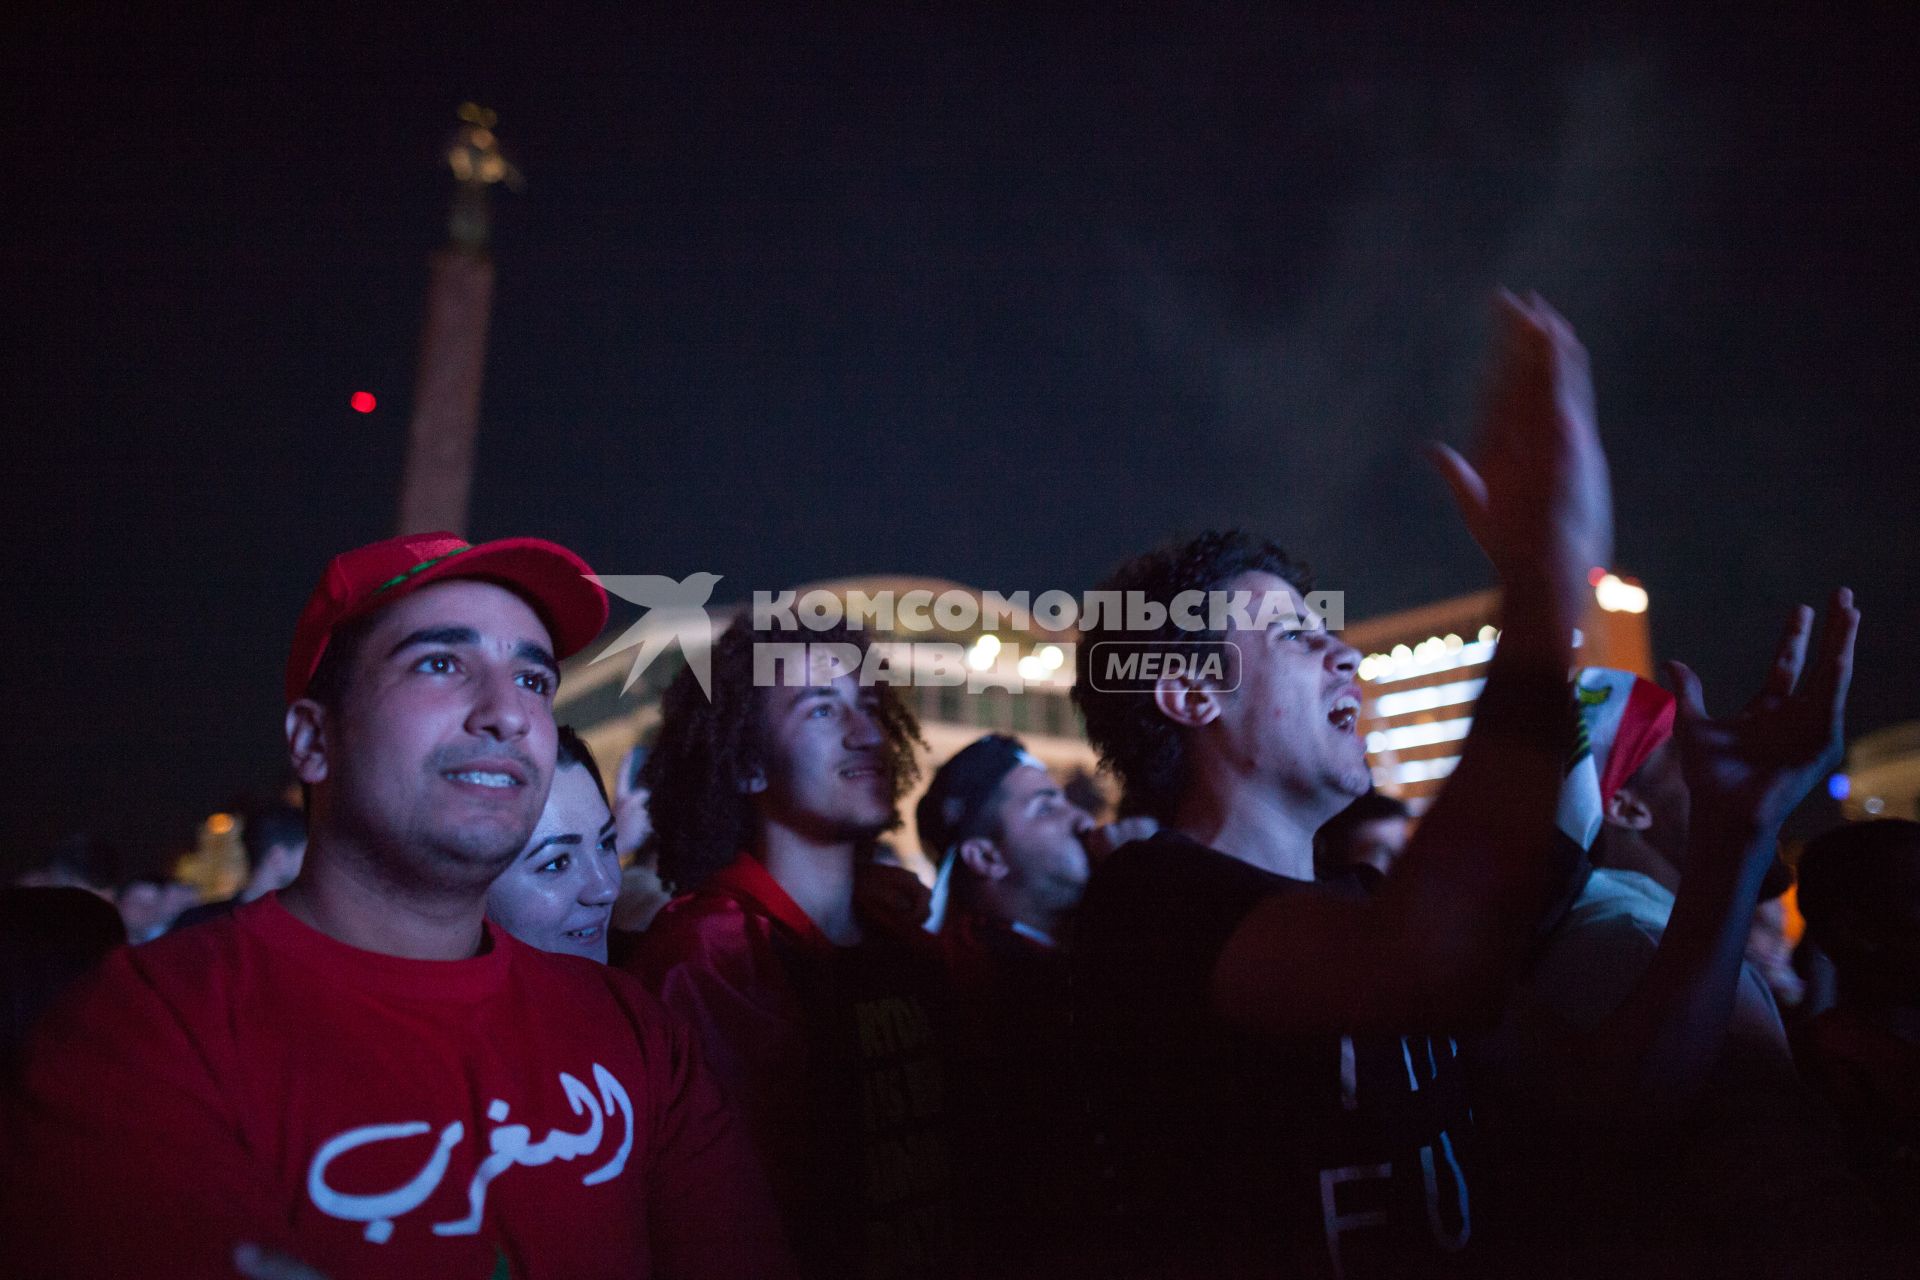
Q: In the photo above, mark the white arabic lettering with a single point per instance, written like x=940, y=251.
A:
x=379, y=1211
x=508, y=1145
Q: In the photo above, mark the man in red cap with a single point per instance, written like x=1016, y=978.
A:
x=359, y=1072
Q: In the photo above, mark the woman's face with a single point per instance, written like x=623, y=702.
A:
x=558, y=894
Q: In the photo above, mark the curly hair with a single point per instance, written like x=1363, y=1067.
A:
x=707, y=749
x=1143, y=748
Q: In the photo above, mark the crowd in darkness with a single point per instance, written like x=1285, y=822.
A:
x=476, y=1013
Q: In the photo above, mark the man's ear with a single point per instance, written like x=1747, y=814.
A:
x=1628, y=810
x=1186, y=701
x=306, y=727
x=983, y=857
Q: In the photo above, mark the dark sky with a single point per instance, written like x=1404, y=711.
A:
x=1001, y=300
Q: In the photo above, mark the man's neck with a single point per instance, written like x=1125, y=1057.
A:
x=1251, y=823
x=817, y=876
x=337, y=894
x=1625, y=850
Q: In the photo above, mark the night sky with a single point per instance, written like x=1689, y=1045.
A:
x=999, y=300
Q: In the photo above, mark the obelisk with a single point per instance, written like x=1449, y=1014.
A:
x=453, y=342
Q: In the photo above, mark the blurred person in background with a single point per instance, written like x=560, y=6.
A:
x=1860, y=893
x=49, y=938
x=149, y=904
x=273, y=839
x=642, y=893
x=1363, y=840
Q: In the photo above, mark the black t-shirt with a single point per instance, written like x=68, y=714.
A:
x=1228, y=1153
x=877, y=1092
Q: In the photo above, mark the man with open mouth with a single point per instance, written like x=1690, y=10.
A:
x=1267, y=1058
x=359, y=1072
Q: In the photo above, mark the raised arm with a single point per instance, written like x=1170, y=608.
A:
x=1435, y=948
x=1744, y=775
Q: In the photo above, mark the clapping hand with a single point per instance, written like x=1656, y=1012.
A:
x=1537, y=497
x=1746, y=773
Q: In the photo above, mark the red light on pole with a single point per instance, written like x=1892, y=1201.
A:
x=362, y=402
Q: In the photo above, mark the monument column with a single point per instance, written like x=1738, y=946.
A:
x=453, y=341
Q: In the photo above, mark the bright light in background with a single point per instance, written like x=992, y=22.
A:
x=1873, y=804
x=1052, y=657
x=220, y=823
x=362, y=401
x=1617, y=595
x=1032, y=667
x=1838, y=786
x=984, y=651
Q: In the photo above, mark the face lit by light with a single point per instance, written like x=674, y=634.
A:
x=558, y=895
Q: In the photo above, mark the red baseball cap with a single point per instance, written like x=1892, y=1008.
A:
x=355, y=583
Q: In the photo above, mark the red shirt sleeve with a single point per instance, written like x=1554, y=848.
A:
x=122, y=1156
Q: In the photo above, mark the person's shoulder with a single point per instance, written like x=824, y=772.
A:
x=202, y=912
x=704, y=929
x=1168, y=862
x=197, y=957
x=551, y=977
x=175, y=989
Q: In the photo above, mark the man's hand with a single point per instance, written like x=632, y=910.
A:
x=1745, y=774
x=1537, y=498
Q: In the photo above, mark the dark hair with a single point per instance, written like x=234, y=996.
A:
x=574, y=753
x=268, y=827
x=81, y=858
x=48, y=939
x=1145, y=750
x=708, y=748
x=334, y=674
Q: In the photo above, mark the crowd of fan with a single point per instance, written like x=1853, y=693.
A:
x=473, y=1013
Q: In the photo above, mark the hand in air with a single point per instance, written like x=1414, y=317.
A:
x=1746, y=773
x=1536, y=497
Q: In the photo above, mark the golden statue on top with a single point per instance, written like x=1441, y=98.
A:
x=477, y=162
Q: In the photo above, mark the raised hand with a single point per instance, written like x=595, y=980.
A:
x=1537, y=497
x=1746, y=773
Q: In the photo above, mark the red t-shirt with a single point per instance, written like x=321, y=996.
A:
x=517, y=1114
x=836, y=1055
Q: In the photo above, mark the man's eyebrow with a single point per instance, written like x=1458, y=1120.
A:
x=528, y=651
x=571, y=837
x=436, y=635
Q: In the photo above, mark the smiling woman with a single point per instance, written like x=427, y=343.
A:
x=558, y=895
